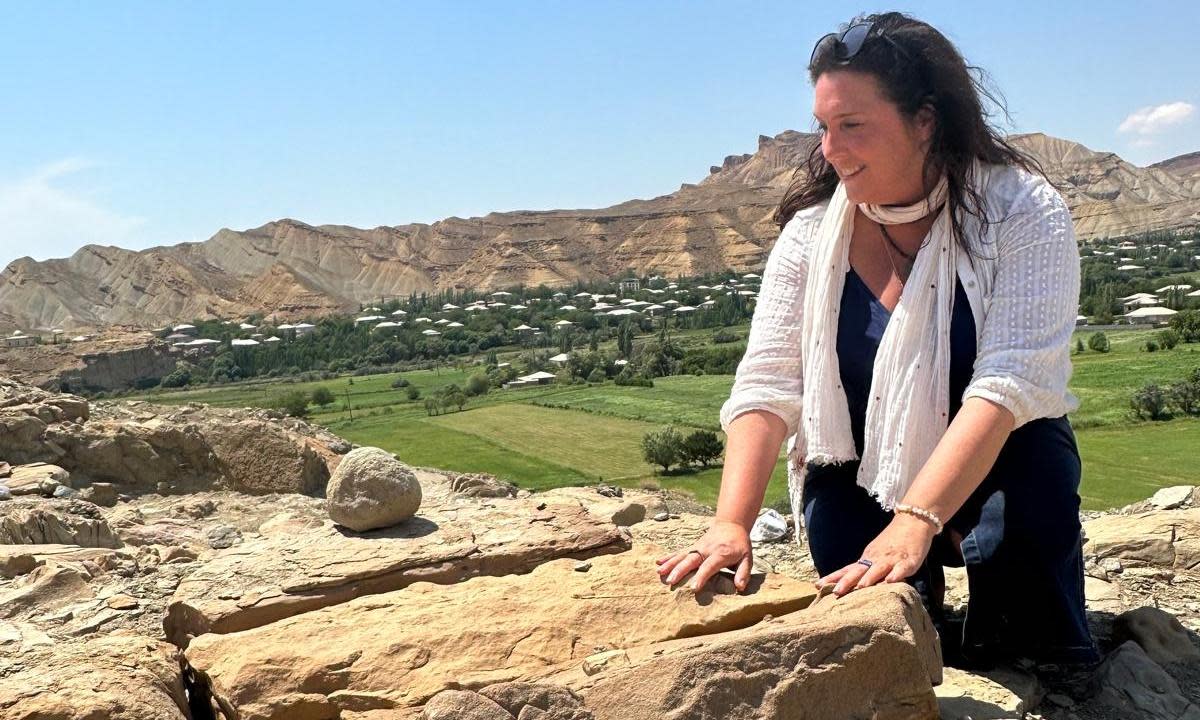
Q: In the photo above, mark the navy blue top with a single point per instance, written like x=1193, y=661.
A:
x=861, y=323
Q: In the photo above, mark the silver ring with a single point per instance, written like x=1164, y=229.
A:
x=865, y=562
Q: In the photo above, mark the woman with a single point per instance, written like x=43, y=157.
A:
x=912, y=339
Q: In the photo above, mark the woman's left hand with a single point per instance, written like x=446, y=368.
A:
x=895, y=554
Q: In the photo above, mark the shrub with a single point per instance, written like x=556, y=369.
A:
x=178, y=378
x=702, y=446
x=400, y=382
x=1150, y=346
x=477, y=384
x=1150, y=403
x=627, y=377
x=1185, y=394
x=294, y=403
x=322, y=396
x=412, y=393
x=455, y=398
x=597, y=376
x=1187, y=324
x=1168, y=339
x=725, y=336
x=1079, y=345
x=1099, y=342
x=662, y=447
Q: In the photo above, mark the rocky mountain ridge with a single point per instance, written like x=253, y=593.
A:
x=298, y=270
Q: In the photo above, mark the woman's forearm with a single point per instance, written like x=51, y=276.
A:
x=962, y=459
x=752, y=448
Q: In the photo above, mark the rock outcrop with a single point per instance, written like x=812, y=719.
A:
x=235, y=596
x=141, y=448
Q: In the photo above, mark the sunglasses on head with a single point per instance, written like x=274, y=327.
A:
x=848, y=43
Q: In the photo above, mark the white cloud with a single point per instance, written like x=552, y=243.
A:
x=1157, y=118
x=42, y=218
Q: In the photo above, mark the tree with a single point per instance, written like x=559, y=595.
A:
x=1150, y=403
x=1079, y=345
x=431, y=406
x=322, y=396
x=1098, y=342
x=702, y=446
x=625, y=334
x=662, y=447
x=294, y=403
x=412, y=393
x=1187, y=324
x=454, y=399
x=477, y=384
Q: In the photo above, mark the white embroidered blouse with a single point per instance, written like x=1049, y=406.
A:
x=1022, y=283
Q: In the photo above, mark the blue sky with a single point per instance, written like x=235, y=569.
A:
x=139, y=124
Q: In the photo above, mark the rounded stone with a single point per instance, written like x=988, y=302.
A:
x=371, y=489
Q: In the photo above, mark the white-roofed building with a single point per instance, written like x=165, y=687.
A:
x=685, y=309
x=443, y=321
x=523, y=327
x=368, y=319
x=454, y=325
x=20, y=339
x=388, y=325
x=398, y=313
x=1150, y=315
x=568, y=308
x=237, y=342
x=563, y=323
x=272, y=340
x=622, y=311
x=304, y=328
x=184, y=329
x=247, y=326
x=560, y=358
x=1130, y=268
x=430, y=332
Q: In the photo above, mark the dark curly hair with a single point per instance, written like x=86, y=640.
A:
x=918, y=67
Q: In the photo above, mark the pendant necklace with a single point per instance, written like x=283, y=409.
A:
x=885, y=236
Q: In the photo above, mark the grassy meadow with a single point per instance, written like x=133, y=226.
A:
x=556, y=435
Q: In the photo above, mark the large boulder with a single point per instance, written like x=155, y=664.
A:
x=110, y=678
x=1134, y=686
x=371, y=489
x=402, y=648
x=872, y=653
x=1160, y=635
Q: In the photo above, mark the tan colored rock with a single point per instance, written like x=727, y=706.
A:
x=1168, y=539
x=993, y=695
x=22, y=559
x=406, y=646
x=371, y=489
x=630, y=509
x=871, y=654
x=44, y=589
x=1159, y=633
x=50, y=522
x=288, y=572
x=108, y=678
x=35, y=478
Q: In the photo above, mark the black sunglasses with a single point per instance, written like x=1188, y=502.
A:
x=845, y=45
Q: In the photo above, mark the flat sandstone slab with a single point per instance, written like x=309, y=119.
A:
x=303, y=565
x=112, y=678
x=396, y=650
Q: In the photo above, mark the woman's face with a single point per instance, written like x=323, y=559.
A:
x=878, y=153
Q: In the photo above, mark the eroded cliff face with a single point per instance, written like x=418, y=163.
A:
x=118, y=360
x=725, y=221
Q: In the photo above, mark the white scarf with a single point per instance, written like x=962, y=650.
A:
x=908, y=408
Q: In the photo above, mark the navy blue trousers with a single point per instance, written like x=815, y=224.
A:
x=1022, y=547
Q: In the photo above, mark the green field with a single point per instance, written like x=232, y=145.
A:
x=554, y=435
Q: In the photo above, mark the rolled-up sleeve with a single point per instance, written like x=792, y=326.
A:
x=1023, y=361
x=770, y=376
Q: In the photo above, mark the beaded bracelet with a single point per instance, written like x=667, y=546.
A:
x=922, y=513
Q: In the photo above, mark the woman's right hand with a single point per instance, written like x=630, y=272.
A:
x=724, y=545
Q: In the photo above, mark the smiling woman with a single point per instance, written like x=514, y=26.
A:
x=912, y=341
